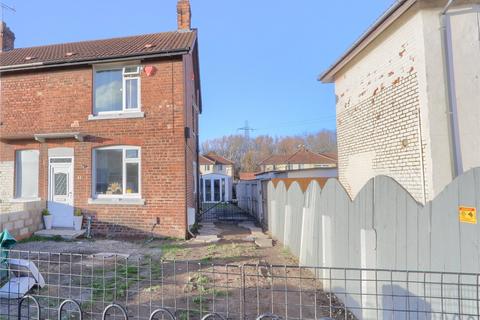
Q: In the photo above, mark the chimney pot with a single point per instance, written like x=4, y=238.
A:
x=184, y=15
x=7, y=38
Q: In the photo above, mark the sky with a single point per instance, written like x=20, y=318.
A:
x=259, y=59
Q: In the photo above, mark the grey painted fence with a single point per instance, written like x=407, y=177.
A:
x=382, y=228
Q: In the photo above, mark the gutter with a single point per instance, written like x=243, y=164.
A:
x=42, y=65
x=395, y=11
x=455, y=147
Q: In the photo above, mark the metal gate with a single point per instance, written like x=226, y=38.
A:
x=223, y=212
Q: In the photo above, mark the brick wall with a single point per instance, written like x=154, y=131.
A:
x=379, y=112
x=192, y=121
x=60, y=100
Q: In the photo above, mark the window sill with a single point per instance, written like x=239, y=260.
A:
x=117, y=201
x=119, y=115
x=24, y=200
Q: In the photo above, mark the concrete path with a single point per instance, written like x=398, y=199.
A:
x=261, y=239
x=209, y=233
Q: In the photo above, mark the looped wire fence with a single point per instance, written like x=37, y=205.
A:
x=90, y=287
x=70, y=301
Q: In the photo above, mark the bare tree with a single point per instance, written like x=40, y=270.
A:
x=248, y=153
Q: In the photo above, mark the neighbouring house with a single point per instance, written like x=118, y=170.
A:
x=109, y=127
x=302, y=166
x=216, y=183
x=301, y=159
x=407, y=97
x=252, y=188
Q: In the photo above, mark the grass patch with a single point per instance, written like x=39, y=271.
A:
x=286, y=252
x=35, y=238
x=172, y=250
x=235, y=250
x=206, y=260
x=156, y=288
x=185, y=315
x=112, y=284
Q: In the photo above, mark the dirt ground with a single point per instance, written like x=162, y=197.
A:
x=190, y=279
x=234, y=247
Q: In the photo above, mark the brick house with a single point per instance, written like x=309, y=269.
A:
x=407, y=97
x=106, y=126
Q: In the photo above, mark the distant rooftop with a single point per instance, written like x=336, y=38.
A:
x=302, y=156
x=213, y=158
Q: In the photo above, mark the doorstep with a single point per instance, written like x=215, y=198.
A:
x=65, y=233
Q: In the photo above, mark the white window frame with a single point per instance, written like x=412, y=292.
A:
x=125, y=76
x=125, y=160
x=16, y=196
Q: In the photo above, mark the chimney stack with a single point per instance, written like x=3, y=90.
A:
x=184, y=15
x=7, y=38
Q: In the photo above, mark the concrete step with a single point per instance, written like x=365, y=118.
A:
x=65, y=233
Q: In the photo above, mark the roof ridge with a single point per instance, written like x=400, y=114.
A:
x=328, y=157
x=102, y=39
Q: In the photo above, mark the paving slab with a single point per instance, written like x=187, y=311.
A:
x=106, y=255
x=264, y=242
x=206, y=239
x=65, y=233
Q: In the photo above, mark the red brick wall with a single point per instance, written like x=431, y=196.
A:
x=61, y=100
x=191, y=114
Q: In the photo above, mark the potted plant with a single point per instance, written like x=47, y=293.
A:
x=47, y=219
x=77, y=220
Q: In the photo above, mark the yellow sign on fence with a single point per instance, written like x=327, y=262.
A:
x=467, y=215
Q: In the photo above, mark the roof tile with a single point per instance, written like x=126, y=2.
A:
x=165, y=42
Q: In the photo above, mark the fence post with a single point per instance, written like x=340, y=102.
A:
x=243, y=297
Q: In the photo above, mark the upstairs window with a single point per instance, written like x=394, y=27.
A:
x=116, y=89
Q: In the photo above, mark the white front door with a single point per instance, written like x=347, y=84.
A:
x=60, y=191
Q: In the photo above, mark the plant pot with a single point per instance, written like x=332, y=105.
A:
x=77, y=222
x=47, y=220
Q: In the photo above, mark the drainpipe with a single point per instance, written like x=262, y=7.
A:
x=457, y=165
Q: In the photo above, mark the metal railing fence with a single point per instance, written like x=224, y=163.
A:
x=105, y=287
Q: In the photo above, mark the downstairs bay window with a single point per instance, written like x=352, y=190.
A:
x=116, y=172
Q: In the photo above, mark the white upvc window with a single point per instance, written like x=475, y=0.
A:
x=26, y=174
x=116, y=172
x=116, y=89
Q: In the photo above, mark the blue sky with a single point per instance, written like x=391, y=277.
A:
x=259, y=59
